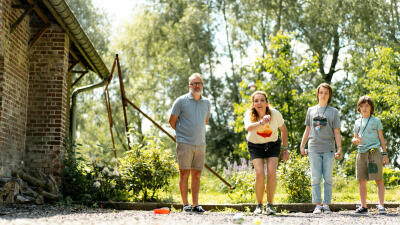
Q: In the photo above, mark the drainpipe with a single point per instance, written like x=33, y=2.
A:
x=73, y=105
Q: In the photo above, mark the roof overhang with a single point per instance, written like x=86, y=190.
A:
x=81, y=49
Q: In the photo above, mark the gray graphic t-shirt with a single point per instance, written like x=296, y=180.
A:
x=322, y=121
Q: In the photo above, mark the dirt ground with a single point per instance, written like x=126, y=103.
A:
x=38, y=215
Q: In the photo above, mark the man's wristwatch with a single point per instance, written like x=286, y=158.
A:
x=284, y=148
x=384, y=153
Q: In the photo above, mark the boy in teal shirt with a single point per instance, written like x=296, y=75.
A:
x=368, y=136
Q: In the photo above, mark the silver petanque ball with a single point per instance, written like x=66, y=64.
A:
x=238, y=218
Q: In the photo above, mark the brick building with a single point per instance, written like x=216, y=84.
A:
x=40, y=43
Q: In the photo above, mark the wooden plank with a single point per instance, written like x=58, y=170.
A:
x=38, y=35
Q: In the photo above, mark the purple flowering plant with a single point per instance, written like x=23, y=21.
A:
x=242, y=176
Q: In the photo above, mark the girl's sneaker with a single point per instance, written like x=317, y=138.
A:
x=361, y=210
x=270, y=209
x=318, y=209
x=259, y=208
x=381, y=210
x=326, y=209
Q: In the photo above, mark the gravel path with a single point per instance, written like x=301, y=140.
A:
x=38, y=215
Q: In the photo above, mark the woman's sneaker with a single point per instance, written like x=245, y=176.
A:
x=381, y=210
x=187, y=209
x=270, y=209
x=318, y=209
x=198, y=209
x=326, y=209
x=361, y=210
x=259, y=208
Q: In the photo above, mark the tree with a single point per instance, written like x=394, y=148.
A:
x=93, y=131
x=160, y=48
x=285, y=79
x=322, y=25
x=93, y=22
x=377, y=74
x=375, y=23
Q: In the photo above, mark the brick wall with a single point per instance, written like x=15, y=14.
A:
x=48, y=97
x=14, y=86
x=33, y=94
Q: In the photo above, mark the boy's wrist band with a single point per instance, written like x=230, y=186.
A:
x=384, y=153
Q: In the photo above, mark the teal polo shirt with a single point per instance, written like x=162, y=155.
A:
x=191, y=123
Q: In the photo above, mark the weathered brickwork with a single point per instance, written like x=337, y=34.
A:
x=14, y=88
x=33, y=94
x=47, y=111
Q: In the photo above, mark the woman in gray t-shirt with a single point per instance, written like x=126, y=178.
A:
x=322, y=130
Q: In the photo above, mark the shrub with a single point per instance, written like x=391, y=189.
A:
x=295, y=178
x=243, y=178
x=90, y=181
x=74, y=181
x=106, y=182
x=391, y=177
x=348, y=167
x=148, y=168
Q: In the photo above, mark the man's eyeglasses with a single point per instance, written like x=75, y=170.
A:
x=198, y=84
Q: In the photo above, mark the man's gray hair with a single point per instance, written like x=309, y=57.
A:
x=195, y=75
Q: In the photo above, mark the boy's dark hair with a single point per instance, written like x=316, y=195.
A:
x=365, y=99
x=327, y=86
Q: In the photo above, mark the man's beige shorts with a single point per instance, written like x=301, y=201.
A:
x=190, y=156
x=362, y=165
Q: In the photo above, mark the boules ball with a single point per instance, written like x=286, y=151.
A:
x=238, y=218
x=257, y=221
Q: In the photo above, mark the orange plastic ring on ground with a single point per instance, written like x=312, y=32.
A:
x=161, y=211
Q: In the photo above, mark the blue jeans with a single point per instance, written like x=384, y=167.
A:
x=321, y=165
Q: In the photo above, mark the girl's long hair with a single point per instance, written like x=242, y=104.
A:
x=253, y=112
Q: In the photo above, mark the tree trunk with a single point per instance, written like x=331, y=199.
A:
x=235, y=87
x=278, y=18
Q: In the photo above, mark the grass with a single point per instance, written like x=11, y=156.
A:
x=213, y=191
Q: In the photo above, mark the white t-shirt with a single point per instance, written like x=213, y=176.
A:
x=267, y=132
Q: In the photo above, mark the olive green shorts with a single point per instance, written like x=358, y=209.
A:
x=369, y=165
x=190, y=156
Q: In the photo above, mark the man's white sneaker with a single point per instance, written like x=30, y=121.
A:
x=187, y=209
x=318, y=209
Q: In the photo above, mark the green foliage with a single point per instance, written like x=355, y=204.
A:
x=295, y=178
x=90, y=181
x=148, y=168
x=168, y=40
x=283, y=76
x=75, y=184
x=348, y=167
x=391, y=177
x=108, y=183
x=242, y=177
x=377, y=75
x=93, y=22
